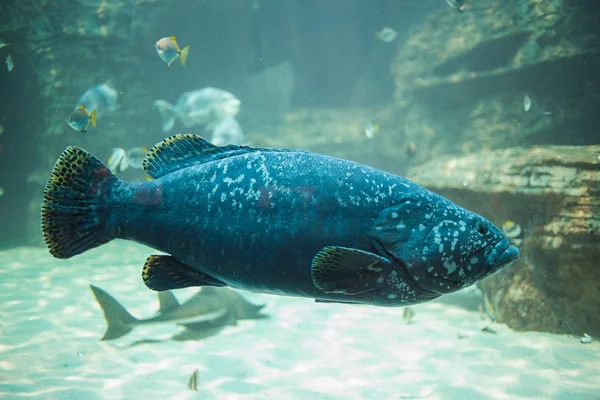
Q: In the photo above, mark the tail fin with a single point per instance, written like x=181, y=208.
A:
x=118, y=320
x=184, y=54
x=93, y=118
x=75, y=208
x=167, y=114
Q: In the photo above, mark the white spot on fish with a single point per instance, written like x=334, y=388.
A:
x=450, y=266
x=453, y=246
x=394, y=215
x=229, y=181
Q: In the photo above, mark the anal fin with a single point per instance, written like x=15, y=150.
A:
x=348, y=271
x=167, y=273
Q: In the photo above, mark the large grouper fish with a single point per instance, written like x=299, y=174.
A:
x=279, y=221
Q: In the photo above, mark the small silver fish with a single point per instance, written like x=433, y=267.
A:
x=371, y=129
x=387, y=35
x=586, y=339
x=527, y=103
x=458, y=5
x=135, y=157
x=193, y=382
x=3, y=44
x=225, y=131
x=81, y=119
x=168, y=50
x=408, y=315
x=488, y=307
x=116, y=159
x=10, y=65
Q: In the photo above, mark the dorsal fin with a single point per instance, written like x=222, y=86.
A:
x=181, y=151
x=167, y=301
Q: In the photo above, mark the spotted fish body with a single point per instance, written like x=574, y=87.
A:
x=286, y=222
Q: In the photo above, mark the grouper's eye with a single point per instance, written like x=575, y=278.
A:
x=482, y=228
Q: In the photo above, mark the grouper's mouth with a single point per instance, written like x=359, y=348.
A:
x=507, y=255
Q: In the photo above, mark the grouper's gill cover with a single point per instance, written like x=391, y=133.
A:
x=351, y=243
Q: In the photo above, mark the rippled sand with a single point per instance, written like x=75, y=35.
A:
x=51, y=325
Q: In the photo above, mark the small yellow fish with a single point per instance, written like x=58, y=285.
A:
x=9, y=63
x=387, y=35
x=511, y=229
x=80, y=119
x=168, y=50
x=193, y=382
x=3, y=44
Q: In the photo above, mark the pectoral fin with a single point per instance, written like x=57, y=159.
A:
x=167, y=273
x=348, y=271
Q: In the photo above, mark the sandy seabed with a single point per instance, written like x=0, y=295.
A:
x=51, y=325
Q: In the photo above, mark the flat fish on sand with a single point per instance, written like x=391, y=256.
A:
x=279, y=221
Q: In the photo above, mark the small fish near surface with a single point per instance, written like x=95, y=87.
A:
x=458, y=5
x=371, y=129
x=387, y=35
x=279, y=221
x=200, y=107
x=210, y=310
x=527, y=102
x=3, y=44
x=93, y=102
x=168, y=50
x=10, y=65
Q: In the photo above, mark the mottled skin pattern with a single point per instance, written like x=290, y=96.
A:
x=255, y=221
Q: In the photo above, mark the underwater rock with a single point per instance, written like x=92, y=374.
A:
x=271, y=88
x=553, y=192
x=461, y=77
